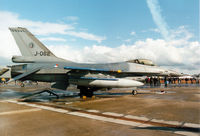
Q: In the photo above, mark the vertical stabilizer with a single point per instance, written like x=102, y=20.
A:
x=28, y=44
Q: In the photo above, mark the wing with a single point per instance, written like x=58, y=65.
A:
x=110, y=71
x=91, y=69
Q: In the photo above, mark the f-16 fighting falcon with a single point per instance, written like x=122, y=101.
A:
x=40, y=64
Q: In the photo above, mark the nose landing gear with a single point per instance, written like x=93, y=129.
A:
x=134, y=92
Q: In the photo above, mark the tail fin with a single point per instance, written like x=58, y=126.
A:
x=28, y=44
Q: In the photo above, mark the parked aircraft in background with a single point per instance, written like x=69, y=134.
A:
x=42, y=65
x=186, y=76
x=4, y=70
x=4, y=74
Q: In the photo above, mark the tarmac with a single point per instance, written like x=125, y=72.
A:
x=174, y=110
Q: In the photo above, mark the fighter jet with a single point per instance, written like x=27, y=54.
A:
x=40, y=64
x=3, y=71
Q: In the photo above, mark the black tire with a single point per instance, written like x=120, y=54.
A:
x=89, y=93
x=86, y=92
x=22, y=84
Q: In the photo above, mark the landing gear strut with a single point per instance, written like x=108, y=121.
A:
x=134, y=92
x=85, y=91
x=21, y=84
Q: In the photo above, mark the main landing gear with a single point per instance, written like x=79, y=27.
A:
x=134, y=92
x=21, y=84
x=85, y=91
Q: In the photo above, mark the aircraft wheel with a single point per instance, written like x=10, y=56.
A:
x=89, y=93
x=82, y=93
x=22, y=84
x=134, y=92
x=86, y=92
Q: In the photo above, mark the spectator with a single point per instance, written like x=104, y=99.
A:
x=186, y=80
x=151, y=81
x=165, y=81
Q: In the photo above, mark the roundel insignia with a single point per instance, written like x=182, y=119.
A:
x=56, y=65
x=31, y=45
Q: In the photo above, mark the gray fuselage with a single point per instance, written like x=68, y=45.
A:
x=54, y=71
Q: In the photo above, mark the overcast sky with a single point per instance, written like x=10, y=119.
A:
x=99, y=31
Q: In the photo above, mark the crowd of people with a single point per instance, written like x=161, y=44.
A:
x=157, y=81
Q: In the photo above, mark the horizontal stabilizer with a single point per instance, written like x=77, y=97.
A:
x=21, y=76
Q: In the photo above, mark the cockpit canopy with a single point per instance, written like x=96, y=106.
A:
x=142, y=61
